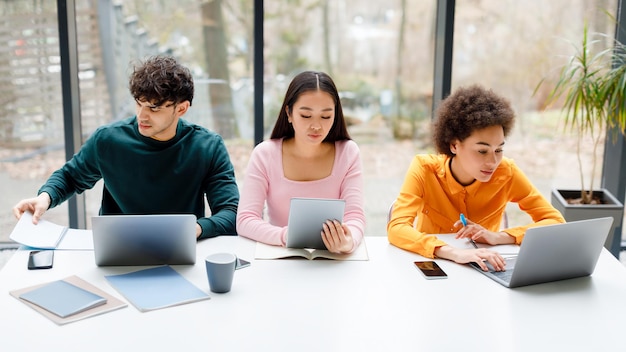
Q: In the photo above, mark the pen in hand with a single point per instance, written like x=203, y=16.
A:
x=464, y=221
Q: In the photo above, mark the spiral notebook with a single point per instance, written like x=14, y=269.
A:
x=44, y=235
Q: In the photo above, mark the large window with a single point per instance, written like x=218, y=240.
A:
x=31, y=121
x=379, y=53
x=511, y=46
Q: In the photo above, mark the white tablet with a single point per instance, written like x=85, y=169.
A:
x=306, y=216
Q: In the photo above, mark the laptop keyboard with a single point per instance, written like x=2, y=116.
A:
x=503, y=275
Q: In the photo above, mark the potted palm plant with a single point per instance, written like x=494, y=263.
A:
x=592, y=87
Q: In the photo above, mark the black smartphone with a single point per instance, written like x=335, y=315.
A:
x=40, y=259
x=430, y=269
x=242, y=264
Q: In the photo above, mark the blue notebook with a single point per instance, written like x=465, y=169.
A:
x=156, y=288
x=63, y=299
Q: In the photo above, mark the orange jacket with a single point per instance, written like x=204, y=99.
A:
x=436, y=199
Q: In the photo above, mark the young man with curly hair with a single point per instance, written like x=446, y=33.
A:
x=469, y=176
x=154, y=162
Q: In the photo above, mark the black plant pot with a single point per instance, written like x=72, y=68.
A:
x=573, y=212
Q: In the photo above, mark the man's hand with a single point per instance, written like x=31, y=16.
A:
x=37, y=206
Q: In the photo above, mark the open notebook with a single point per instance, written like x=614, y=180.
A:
x=266, y=251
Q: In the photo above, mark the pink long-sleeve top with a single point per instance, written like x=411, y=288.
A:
x=265, y=184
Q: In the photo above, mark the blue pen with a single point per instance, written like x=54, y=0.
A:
x=464, y=221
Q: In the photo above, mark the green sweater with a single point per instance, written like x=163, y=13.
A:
x=145, y=176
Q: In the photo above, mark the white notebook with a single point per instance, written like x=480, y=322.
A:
x=44, y=235
x=266, y=251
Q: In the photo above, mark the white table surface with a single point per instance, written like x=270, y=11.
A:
x=382, y=304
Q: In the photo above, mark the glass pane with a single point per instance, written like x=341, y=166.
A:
x=31, y=118
x=112, y=36
x=380, y=55
x=510, y=46
x=115, y=35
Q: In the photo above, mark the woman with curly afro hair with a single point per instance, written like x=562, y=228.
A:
x=468, y=176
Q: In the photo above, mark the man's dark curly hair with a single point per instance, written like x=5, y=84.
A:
x=160, y=79
x=469, y=109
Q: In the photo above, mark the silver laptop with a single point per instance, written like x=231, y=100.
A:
x=144, y=239
x=554, y=252
x=306, y=216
